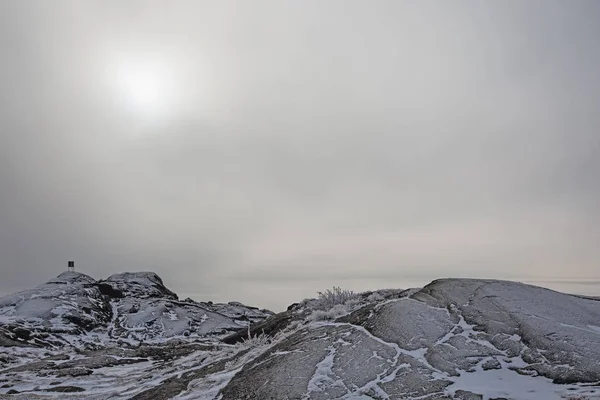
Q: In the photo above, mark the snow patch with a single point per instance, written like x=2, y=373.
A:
x=505, y=383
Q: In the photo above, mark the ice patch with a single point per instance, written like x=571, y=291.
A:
x=321, y=376
x=208, y=388
x=505, y=383
x=594, y=328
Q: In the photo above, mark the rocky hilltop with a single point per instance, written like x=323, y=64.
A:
x=74, y=309
x=453, y=339
x=458, y=339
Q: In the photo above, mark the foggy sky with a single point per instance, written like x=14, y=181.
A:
x=300, y=144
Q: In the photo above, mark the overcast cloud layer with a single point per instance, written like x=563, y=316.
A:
x=300, y=144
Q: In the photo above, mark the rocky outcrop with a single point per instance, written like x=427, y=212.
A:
x=74, y=309
x=140, y=285
x=66, y=306
x=455, y=339
x=271, y=327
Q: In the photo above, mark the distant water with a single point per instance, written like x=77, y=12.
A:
x=588, y=287
x=277, y=296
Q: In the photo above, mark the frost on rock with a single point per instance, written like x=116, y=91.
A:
x=74, y=309
x=454, y=339
x=140, y=285
x=550, y=330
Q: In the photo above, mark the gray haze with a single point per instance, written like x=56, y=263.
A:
x=297, y=145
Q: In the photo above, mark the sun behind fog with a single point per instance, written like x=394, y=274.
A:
x=145, y=87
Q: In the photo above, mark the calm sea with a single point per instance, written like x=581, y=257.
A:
x=276, y=296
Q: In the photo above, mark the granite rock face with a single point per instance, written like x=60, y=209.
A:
x=453, y=339
x=456, y=339
x=74, y=309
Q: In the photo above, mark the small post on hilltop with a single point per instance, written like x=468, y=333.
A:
x=71, y=266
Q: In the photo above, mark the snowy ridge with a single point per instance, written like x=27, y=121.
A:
x=74, y=309
x=455, y=339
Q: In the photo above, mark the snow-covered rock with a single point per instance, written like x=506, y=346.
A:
x=74, y=309
x=456, y=339
x=140, y=285
x=453, y=339
x=68, y=306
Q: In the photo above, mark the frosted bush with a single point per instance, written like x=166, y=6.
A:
x=332, y=297
x=353, y=302
x=317, y=315
x=336, y=311
x=256, y=341
x=375, y=296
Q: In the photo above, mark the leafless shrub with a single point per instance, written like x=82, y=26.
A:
x=332, y=297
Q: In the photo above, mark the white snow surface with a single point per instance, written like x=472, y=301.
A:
x=504, y=383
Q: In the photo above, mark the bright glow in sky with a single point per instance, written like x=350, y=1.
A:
x=144, y=88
